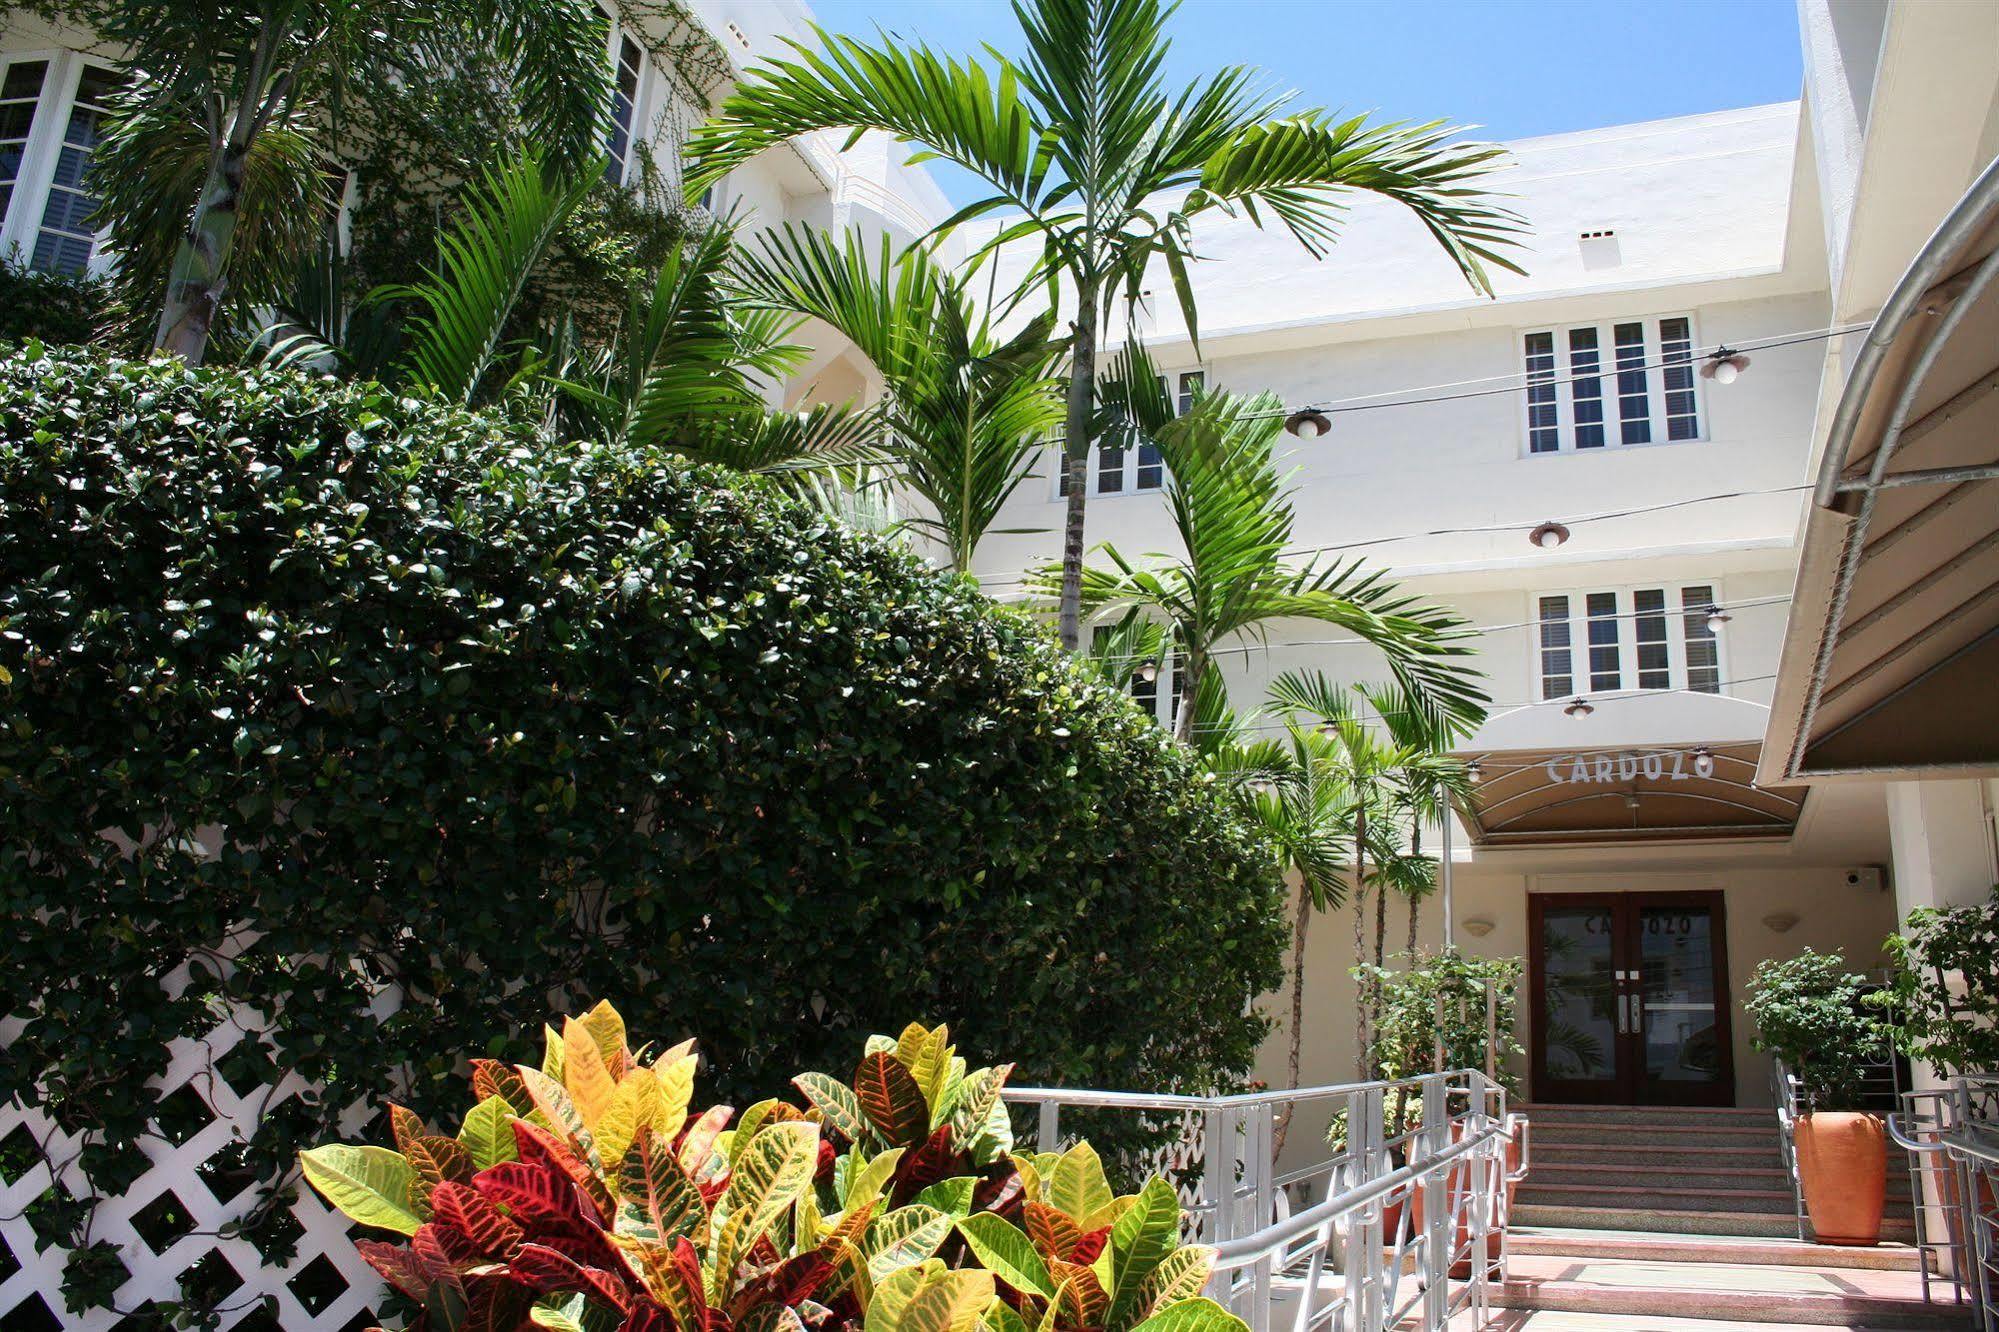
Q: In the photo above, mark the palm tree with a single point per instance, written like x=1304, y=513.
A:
x=680, y=377
x=965, y=410
x=1390, y=749
x=1234, y=519
x=222, y=140
x=1107, y=168
x=1295, y=788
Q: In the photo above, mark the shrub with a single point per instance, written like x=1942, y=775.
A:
x=1812, y=1013
x=586, y=1193
x=54, y=307
x=348, y=704
x=1945, y=992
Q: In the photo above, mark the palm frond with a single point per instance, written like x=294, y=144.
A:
x=506, y=224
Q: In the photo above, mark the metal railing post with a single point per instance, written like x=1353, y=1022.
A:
x=1218, y=1192
x=1437, y=1227
x=1368, y=1120
x=1047, y=1128
x=1259, y=1168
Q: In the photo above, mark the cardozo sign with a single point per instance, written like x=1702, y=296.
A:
x=1654, y=765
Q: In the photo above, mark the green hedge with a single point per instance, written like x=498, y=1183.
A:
x=505, y=726
x=55, y=307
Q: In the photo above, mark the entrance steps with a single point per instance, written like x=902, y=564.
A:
x=1786, y=1288
x=1699, y=1171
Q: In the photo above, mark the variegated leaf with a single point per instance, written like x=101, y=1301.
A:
x=902, y=1237
x=764, y=1180
x=836, y=1101
x=488, y=1131
x=892, y=1100
x=588, y=1079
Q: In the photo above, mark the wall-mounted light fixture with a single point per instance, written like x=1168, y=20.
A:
x=1148, y=672
x=1580, y=707
x=1549, y=535
x=1703, y=762
x=1780, y=922
x=1308, y=423
x=1716, y=618
x=1723, y=365
x=1478, y=926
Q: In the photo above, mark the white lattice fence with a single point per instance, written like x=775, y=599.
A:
x=168, y=1228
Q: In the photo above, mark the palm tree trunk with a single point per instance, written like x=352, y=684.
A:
x=1076, y=447
x=1295, y=1056
x=1362, y=1060
x=200, y=278
x=1191, y=670
x=1415, y=901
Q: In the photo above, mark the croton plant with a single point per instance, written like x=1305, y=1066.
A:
x=589, y=1195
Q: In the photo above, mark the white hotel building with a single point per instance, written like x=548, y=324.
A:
x=1647, y=851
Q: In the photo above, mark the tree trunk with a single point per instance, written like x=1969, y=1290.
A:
x=1415, y=901
x=1191, y=671
x=1076, y=450
x=1362, y=1060
x=1296, y=1055
x=200, y=278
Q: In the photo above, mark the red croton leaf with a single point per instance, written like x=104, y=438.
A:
x=1000, y=1192
x=891, y=1099
x=645, y=1316
x=535, y=1144
x=490, y=1077
x=399, y=1265
x=1053, y=1233
x=406, y=1126
x=538, y=1198
x=463, y=1208
x=936, y=1159
x=828, y=1158
x=544, y=1270
x=1090, y=1245
x=446, y=1252
x=496, y=1303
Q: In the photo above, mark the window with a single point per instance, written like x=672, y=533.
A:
x=1159, y=696
x=1632, y=638
x=1120, y=470
x=624, y=109
x=1630, y=382
x=52, y=113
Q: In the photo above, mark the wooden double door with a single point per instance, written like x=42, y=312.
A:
x=1630, y=1001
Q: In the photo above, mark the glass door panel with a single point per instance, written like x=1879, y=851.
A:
x=1630, y=999
x=1682, y=1027
x=1576, y=1025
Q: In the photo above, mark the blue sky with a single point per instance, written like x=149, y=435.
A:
x=1515, y=67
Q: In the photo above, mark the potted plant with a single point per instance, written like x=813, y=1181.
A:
x=1434, y=1016
x=1811, y=1012
x=1945, y=991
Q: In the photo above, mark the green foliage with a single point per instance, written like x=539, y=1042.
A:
x=381, y=697
x=623, y=1207
x=52, y=307
x=1944, y=998
x=1812, y=1013
x=1443, y=995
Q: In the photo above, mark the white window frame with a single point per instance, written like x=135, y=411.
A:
x=1580, y=685
x=1175, y=381
x=1164, y=686
x=1564, y=385
x=42, y=153
x=617, y=35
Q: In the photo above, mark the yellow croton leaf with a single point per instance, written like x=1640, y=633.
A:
x=675, y=1079
x=867, y=1183
x=608, y=1028
x=587, y=1077
x=1077, y=1185
x=635, y=1102
x=929, y=1297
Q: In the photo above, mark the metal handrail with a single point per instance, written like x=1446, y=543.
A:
x=1354, y=1260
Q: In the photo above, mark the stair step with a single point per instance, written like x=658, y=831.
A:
x=1651, y=1135
x=1556, y=1152
x=1742, y=1250
x=1799, y=1295
x=1677, y=1221
x=1534, y=1191
x=1567, y=1110
x=1692, y=1176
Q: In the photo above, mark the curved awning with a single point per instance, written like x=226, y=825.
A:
x=1891, y=657
x=1658, y=793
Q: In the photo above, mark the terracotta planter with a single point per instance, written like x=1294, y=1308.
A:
x=1843, y=1166
x=1392, y=1213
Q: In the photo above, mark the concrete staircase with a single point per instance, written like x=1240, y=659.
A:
x=1663, y=1218
x=1684, y=1171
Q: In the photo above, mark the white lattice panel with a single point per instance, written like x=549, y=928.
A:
x=168, y=1226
